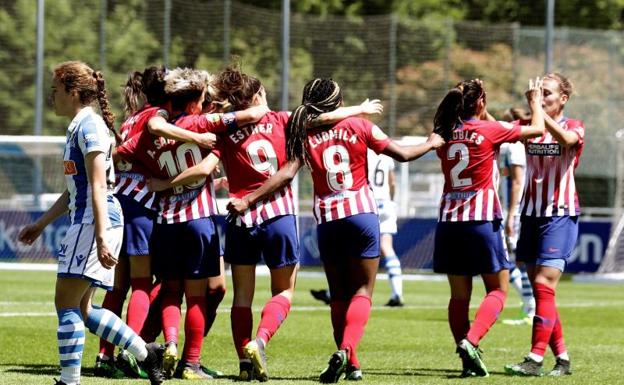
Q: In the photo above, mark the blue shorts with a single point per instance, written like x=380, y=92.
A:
x=544, y=238
x=274, y=240
x=470, y=248
x=354, y=236
x=138, y=225
x=187, y=250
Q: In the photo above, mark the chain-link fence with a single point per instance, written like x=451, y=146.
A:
x=409, y=64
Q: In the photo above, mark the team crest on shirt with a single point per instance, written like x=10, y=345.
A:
x=69, y=166
x=544, y=149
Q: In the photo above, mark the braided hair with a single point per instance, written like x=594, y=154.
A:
x=460, y=103
x=319, y=95
x=89, y=85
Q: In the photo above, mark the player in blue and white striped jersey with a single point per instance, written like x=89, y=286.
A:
x=91, y=246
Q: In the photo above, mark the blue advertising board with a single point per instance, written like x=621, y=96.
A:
x=413, y=243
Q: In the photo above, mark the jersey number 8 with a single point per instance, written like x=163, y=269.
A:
x=336, y=162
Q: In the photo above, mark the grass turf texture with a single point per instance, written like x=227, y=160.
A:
x=401, y=345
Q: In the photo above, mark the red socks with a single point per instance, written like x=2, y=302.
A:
x=113, y=301
x=545, y=319
x=171, y=303
x=139, y=303
x=488, y=312
x=557, y=344
x=242, y=322
x=355, y=321
x=194, y=324
x=152, y=326
x=273, y=314
x=213, y=299
x=458, y=318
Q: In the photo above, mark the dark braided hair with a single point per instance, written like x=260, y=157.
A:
x=319, y=95
x=460, y=103
x=89, y=85
x=147, y=86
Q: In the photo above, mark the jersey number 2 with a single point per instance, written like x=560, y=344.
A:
x=459, y=150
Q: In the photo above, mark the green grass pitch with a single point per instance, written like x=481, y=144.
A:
x=412, y=345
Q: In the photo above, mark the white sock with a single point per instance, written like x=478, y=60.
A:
x=535, y=357
x=393, y=267
x=564, y=356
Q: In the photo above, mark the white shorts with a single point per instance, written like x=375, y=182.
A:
x=78, y=258
x=387, y=216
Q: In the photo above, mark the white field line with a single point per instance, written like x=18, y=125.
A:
x=321, y=308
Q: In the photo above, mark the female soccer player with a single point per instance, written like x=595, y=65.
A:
x=91, y=246
x=549, y=222
x=348, y=227
x=251, y=154
x=184, y=241
x=468, y=239
x=143, y=94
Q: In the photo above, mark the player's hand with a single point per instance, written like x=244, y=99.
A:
x=534, y=92
x=509, y=227
x=107, y=259
x=207, y=140
x=435, y=140
x=155, y=184
x=371, y=107
x=29, y=233
x=221, y=183
x=237, y=206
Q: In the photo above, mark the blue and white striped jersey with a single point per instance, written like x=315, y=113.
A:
x=87, y=133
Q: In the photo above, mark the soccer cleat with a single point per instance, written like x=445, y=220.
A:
x=153, y=363
x=245, y=371
x=528, y=367
x=254, y=350
x=353, y=374
x=214, y=373
x=335, y=367
x=170, y=358
x=466, y=366
x=471, y=355
x=395, y=302
x=188, y=371
x=57, y=382
x=106, y=368
x=321, y=295
x=562, y=368
x=129, y=365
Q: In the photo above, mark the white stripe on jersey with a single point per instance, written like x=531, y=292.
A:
x=479, y=206
x=332, y=207
x=490, y=205
x=280, y=203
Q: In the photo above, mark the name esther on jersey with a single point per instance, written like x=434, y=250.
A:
x=332, y=134
x=246, y=131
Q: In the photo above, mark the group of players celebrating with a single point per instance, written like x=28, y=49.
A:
x=142, y=214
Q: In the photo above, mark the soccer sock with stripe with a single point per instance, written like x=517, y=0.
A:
x=213, y=299
x=241, y=320
x=527, y=293
x=393, y=267
x=70, y=336
x=107, y=325
x=273, y=314
x=545, y=318
x=194, y=325
x=458, y=318
x=138, y=306
x=113, y=301
x=355, y=322
x=487, y=314
x=515, y=279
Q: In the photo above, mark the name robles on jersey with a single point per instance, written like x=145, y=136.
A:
x=471, y=172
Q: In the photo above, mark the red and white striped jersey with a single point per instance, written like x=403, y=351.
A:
x=469, y=165
x=164, y=158
x=250, y=155
x=130, y=178
x=338, y=161
x=550, y=189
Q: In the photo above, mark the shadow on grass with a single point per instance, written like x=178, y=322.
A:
x=35, y=369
